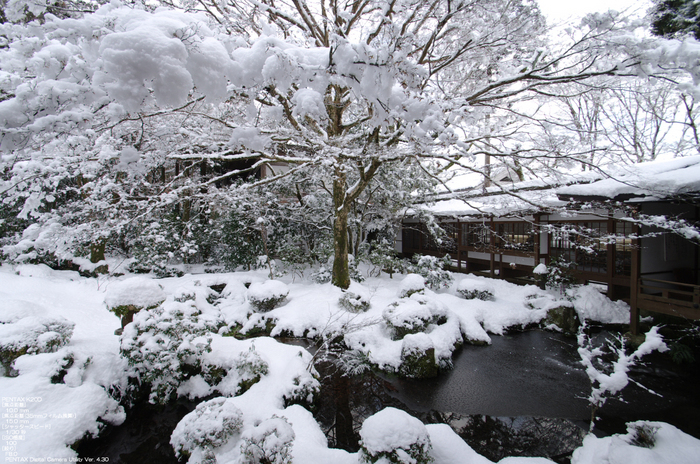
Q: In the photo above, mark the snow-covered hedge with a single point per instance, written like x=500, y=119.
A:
x=164, y=346
x=270, y=442
x=209, y=426
x=472, y=288
x=32, y=335
x=394, y=436
x=266, y=296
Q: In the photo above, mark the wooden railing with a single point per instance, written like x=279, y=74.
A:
x=666, y=297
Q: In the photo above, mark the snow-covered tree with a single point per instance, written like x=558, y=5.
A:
x=114, y=115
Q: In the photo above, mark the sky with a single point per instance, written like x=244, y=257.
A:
x=557, y=10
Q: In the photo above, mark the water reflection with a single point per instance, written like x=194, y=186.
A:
x=528, y=374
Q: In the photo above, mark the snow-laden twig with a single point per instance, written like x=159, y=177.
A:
x=609, y=378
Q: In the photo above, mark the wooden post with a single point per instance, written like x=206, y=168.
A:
x=635, y=272
x=610, y=259
x=459, y=246
x=536, y=241
x=492, y=248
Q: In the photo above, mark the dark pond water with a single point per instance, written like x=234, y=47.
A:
x=522, y=395
x=532, y=373
x=143, y=438
x=537, y=373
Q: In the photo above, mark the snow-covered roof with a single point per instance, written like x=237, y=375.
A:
x=651, y=181
x=498, y=204
x=657, y=180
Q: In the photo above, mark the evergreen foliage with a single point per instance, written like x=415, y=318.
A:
x=676, y=18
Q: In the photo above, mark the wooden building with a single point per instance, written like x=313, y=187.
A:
x=606, y=229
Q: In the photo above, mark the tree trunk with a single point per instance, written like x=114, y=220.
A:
x=97, y=254
x=341, y=273
x=97, y=250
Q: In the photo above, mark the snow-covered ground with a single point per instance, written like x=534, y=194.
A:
x=65, y=385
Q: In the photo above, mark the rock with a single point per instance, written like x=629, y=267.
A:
x=564, y=317
x=418, y=357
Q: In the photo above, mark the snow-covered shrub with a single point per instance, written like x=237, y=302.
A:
x=472, y=288
x=354, y=270
x=559, y=275
x=394, y=436
x=304, y=390
x=292, y=257
x=322, y=275
x=237, y=242
x=407, y=317
x=132, y=295
x=270, y=442
x=642, y=434
x=32, y=335
x=385, y=258
x=266, y=296
x=355, y=299
x=418, y=357
x=165, y=239
x=433, y=270
x=235, y=290
x=209, y=426
x=592, y=305
x=353, y=302
x=412, y=315
x=250, y=367
x=164, y=346
x=412, y=283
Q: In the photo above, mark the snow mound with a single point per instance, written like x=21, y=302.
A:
x=271, y=441
x=32, y=335
x=540, y=269
x=406, y=317
x=395, y=433
x=450, y=448
x=592, y=305
x=12, y=310
x=664, y=444
x=235, y=290
x=210, y=425
x=412, y=283
x=265, y=296
x=472, y=288
x=135, y=291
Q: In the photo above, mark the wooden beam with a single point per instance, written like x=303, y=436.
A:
x=492, y=246
x=662, y=305
x=635, y=272
x=610, y=259
x=537, y=239
x=459, y=244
